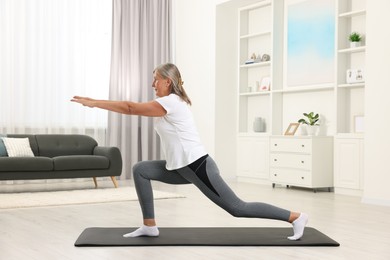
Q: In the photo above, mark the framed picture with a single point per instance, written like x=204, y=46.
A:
x=309, y=27
x=265, y=84
x=358, y=124
x=291, y=129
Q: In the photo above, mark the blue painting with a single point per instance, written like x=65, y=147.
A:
x=310, y=42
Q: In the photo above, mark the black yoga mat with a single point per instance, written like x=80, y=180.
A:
x=204, y=236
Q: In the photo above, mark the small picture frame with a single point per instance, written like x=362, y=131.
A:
x=291, y=129
x=265, y=84
x=358, y=123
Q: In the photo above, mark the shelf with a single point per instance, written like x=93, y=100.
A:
x=310, y=88
x=256, y=93
x=256, y=64
x=352, y=14
x=253, y=134
x=355, y=85
x=255, y=6
x=352, y=50
x=253, y=35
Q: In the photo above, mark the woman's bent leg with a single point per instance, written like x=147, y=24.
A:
x=146, y=171
x=143, y=173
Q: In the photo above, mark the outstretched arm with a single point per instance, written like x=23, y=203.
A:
x=151, y=108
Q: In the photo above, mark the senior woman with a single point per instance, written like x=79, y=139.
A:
x=186, y=159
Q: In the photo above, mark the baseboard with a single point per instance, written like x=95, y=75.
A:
x=350, y=192
x=378, y=202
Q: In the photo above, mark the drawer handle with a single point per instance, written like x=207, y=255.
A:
x=303, y=145
x=302, y=178
x=302, y=161
x=275, y=144
x=275, y=174
x=275, y=160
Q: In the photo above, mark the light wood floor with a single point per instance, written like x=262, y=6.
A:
x=50, y=232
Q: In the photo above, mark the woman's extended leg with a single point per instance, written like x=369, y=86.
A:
x=143, y=173
x=205, y=175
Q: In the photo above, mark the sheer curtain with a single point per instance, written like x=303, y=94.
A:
x=141, y=41
x=51, y=50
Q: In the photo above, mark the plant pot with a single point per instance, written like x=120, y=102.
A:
x=355, y=44
x=312, y=129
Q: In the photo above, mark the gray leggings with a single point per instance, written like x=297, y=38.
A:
x=204, y=174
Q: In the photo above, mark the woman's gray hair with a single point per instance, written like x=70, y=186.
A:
x=170, y=71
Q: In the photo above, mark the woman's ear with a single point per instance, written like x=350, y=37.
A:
x=169, y=82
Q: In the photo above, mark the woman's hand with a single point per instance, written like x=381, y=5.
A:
x=85, y=101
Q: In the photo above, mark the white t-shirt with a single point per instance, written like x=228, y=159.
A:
x=179, y=138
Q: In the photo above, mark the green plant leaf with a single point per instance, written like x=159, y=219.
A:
x=312, y=118
x=355, y=37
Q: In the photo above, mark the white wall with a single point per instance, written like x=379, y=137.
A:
x=377, y=103
x=195, y=57
x=226, y=47
x=225, y=89
x=201, y=53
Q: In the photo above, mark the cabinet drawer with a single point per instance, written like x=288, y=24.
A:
x=290, y=145
x=285, y=160
x=290, y=177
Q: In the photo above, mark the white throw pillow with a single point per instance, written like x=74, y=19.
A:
x=18, y=147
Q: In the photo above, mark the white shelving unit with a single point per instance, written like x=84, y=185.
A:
x=257, y=32
x=349, y=145
x=255, y=37
x=351, y=15
x=261, y=30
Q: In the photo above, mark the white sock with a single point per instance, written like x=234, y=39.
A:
x=299, y=226
x=144, y=231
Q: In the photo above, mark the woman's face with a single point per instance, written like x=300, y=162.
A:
x=160, y=85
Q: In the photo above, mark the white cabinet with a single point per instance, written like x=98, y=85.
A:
x=253, y=157
x=302, y=161
x=348, y=165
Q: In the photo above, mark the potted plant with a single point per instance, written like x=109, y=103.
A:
x=355, y=39
x=311, y=121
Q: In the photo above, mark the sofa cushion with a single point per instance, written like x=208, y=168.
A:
x=18, y=147
x=32, y=140
x=80, y=162
x=61, y=145
x=3, y=151
x=27, y=164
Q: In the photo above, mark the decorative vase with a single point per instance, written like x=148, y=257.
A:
x=303, y=129
x=258, y=125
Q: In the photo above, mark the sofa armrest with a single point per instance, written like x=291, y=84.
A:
x=114, y=156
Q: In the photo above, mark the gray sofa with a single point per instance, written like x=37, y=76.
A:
x=61, y=157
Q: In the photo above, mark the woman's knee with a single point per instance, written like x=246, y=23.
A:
x=138, y=168
x=237, y=210
x=148, y=169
